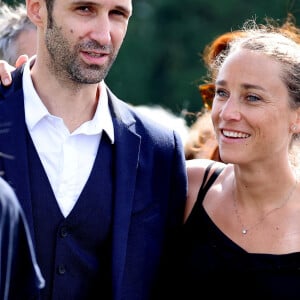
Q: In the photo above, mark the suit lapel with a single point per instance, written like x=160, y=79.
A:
x=127, y=145
x=13, y=133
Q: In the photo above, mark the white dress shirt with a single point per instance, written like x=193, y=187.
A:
x=67, y=157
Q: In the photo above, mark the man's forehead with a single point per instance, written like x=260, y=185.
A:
x=123, y=3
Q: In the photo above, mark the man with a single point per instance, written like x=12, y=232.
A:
x=102, y=186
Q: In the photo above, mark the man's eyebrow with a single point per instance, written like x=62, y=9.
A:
x=127, y=11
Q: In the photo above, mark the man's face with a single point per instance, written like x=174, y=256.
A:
x=83, y=37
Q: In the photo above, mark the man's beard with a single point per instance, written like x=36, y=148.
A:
x=67, y=65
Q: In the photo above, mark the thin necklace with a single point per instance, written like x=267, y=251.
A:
x=245, y=229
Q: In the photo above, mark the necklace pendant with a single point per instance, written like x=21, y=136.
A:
x=244, y=231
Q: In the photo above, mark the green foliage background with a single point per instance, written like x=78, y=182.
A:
x=160, y=60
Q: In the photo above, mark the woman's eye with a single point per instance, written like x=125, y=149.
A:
x=252, y=98
x=221, y=93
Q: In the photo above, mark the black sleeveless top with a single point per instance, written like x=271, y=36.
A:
x=206, y=263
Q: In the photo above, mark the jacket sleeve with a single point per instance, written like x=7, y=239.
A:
x=20, y=275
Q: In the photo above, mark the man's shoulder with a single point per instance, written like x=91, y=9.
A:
x=6, y=91
x=153, y=121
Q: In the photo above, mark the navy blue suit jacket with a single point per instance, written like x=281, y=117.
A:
x=151, y=186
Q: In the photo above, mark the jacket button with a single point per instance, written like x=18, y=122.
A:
x=61, y=269
x=64, y=231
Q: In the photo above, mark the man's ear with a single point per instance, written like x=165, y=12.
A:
x=36, y=11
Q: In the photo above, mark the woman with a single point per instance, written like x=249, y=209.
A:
x=241, y=233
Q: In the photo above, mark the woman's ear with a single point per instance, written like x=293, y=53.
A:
x=295, y=127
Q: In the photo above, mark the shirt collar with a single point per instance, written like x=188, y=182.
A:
x=35, y=110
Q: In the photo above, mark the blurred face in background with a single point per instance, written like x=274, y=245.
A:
x=26, y=43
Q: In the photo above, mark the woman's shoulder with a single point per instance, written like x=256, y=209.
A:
x=196, y=169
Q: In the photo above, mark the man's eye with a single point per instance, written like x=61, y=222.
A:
x=117, y=12
x=83, y=9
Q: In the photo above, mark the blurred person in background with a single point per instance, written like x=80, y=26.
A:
x=17, y=33
x=20, y=275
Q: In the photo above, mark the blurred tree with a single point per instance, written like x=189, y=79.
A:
x=160, y=61
x=12, y=2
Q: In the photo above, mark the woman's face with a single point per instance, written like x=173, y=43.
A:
x=251, y=113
